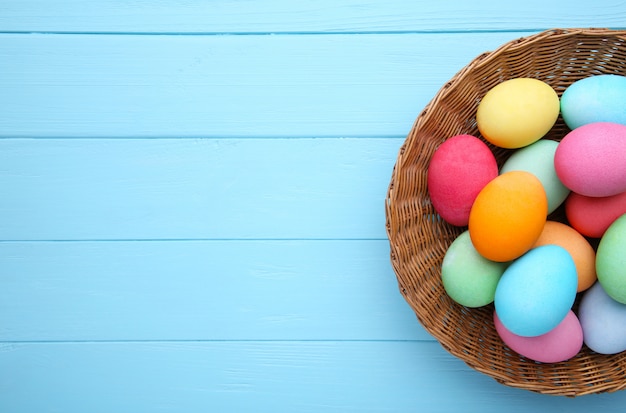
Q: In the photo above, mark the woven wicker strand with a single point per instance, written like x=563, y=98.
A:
x=419, y=237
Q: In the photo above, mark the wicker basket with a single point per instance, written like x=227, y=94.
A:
x=419, y=238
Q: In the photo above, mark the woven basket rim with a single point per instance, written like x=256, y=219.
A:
x=574, y=377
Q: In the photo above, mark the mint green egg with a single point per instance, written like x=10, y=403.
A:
x=538, y=159
x=611, y=260
x=468, y=277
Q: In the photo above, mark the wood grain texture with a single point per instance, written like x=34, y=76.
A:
x=301, y=16
x=261, y=376
x=217, y=290
x=192, y=203
x=87, y=86
x=61, y=189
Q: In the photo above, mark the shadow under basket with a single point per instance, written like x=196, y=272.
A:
x=419, y=237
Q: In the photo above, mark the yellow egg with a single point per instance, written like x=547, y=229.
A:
x=517, y=112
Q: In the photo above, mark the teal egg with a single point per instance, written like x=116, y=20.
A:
x=538, y=159
x=611, y=260
x=592, y=99
x=468, y=277
x=536, y=291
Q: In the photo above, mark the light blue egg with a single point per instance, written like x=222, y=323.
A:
x=595, y=99
x=536, y=291
x=538, y=159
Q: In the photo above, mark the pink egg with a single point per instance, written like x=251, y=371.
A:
x=458, y=170
x=591, y=159
x=559, y=344
x=591, y=216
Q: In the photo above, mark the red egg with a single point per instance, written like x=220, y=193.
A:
x=591, y=216
x=458, y=170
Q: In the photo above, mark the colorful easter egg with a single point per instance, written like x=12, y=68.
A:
x=536, y=291
x=538, y=159
x=611, y=260
x=591, y=216
x=602, y=320
x=517, y=112
x=458, y=170
x=593, y=99
x=468, y=277
x=559, y=344
x=508, y=216
x=591, y=159
x=583, y=254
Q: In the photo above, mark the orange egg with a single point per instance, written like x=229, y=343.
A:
x=508, y=216
x=582, y=252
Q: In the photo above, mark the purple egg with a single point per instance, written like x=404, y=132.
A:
x=603, y=320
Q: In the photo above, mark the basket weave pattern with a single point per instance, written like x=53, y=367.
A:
x=419, y=238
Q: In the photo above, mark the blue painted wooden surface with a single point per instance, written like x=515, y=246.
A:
x=191, y=203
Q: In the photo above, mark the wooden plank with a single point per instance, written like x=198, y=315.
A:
x=261, y=377
x=112, y=86
x=74, y=189
x=280, y=16
x=218, y=290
